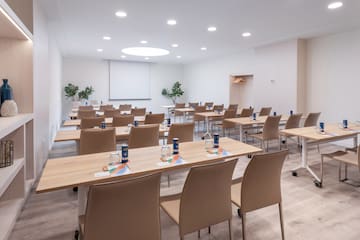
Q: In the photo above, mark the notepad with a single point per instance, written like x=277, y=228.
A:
x=214, y=152
x=173, y=160
x=114, y=170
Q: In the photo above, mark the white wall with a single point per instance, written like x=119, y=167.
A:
x=91, y=72
x=209, y=80
x=333, y=72
x=47, y=106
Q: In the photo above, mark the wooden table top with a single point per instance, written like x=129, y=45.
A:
x=210, y=114
x=187, y=109
x=76, y=122
x=332, y=132
x=80, y=170
x=249, y=120
x=121, y=132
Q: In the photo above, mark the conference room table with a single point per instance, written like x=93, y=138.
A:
x=108, y=121
x=73, y=115
x=121, y=133
x=312, y=135
x=210, y=116
x=184, y=111
x=169, y=108
x=96, y=108
x=248, y=122
x=85, y=170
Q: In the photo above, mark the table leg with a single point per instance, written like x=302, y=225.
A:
x=304, y=153
x=82, y=199
x=241, y=133
x=184, y=117
x=207, y=128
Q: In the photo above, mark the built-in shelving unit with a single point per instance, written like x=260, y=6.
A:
x=16, y=64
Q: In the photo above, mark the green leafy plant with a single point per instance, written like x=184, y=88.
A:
x=84, y=94
x=71, y=90
x=175, y=92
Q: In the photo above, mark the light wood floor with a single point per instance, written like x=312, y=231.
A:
x=330, y=213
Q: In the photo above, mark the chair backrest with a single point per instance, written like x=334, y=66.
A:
x=90, y=107
x=125, y=107
x=261, y=181
x=86, y=114
x=144, y=136
x=246, y=112
x=111, y=113
x=265, y=111
x=209, y=104
x=138, y=111
x=293, y=121
x=122, y=120
x=206, y=196
x=229, y=114
x=124, y=210
x=91, y=122
x=179, y=105
x=311, y=119
x=94, y=102
x=271, y=127
x=157, y=118
x=233, y=107
x=193, y=104
x=106, y=107
x=199, y=109
x=96, y=140
x=183, y=131
x=218, y=107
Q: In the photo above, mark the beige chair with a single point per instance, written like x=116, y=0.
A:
x=122, y=120
x=265, y=111
x=157, y=118
x=233, y=107
x=209, y=105
x=90, y=107
x=109, y=113
x=311, y=119
x=179, y=114
x=193, y=104
x=198, y=119
x=138, y=111
x=218, y=108
x=86, y=114
x=292, y=122
x=246, y=112
x=123, y=210
x=106, y=107
x=183, y=131
x=227, y=125
x=97, y=140
x=94, y=102
x=260, y=186
x=205, y=199
x=348, y=157
x=270, y=131
x=91, y=122
x=125, y=108
x=144, y=136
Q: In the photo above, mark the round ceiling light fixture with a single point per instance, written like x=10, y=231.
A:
x=335, y=5
x=145, y=51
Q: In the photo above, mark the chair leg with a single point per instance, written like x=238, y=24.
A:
x=168, y=180
x=243, y=223
x=322, y=170
x=209, y=229
x=199, y=234
x=281, y=222
x=230, y=232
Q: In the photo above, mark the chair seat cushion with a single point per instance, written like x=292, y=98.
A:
x=172, y=208
x=349, y=158
x=236, y=194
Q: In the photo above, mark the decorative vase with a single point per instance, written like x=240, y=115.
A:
x=9, y=108
x=6, y=91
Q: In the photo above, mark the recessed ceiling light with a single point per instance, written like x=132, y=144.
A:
x=335, y=5
x=174, y=45
x=99, y=49
x=145, y=51
x=121, y=14
x=143, y=42
x=246, y=34
x=212, y=29
x=171, y=22
x=106, y=37
x=203, y=48
x=123, y=56
x=178, y=56
x=147, y=58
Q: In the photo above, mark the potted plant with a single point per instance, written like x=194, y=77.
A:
x=175, y=92
x=70, y=91
x=84, y=94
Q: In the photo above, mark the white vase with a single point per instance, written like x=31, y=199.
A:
x=9, y=108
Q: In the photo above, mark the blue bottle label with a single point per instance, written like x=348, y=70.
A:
x=124, y=153
x=216, y=140
x=345, y=123
x=136, y=123
x=254, y=116
x=169, y=122
x=322, y=126
x=175, y=146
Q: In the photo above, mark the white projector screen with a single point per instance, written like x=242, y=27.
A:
x=129, y=81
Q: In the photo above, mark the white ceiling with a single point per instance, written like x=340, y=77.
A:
x=79, y=25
